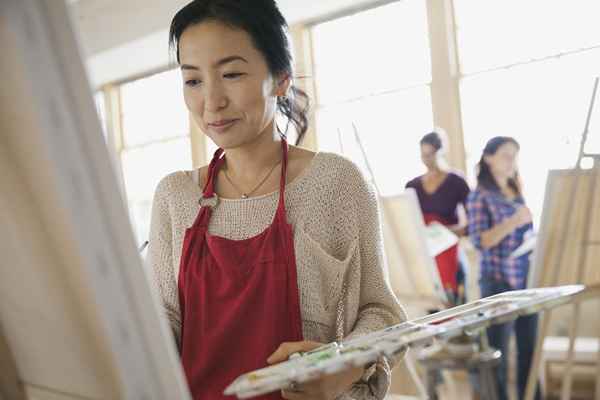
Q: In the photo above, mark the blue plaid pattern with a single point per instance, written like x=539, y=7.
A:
x=486, y=208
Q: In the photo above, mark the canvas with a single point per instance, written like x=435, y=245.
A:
x=410, y=260
x=78, y=313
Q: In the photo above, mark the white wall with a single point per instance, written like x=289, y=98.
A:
x=125, y=38
x=129, y=60
x=105, y=24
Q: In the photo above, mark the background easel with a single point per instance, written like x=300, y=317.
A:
x=568, y=250
x=412, y=272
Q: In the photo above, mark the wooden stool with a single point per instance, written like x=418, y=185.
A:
x=483, y=362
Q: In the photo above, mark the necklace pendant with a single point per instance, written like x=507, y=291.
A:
x=244, y=196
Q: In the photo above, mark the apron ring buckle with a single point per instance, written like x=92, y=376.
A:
x=209, y=201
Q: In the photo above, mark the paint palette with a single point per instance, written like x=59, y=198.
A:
x=466, y=319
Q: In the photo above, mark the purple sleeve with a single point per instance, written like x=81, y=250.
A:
x=463, y=191
x=411, y=184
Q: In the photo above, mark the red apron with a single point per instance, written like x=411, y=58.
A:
x=239, y=298
x=447, y=261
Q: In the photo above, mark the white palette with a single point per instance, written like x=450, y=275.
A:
x=335, y=357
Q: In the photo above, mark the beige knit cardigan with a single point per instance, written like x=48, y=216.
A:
x=338, y=246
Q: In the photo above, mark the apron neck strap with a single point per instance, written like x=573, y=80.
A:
x=282, y=179
x=213, y=169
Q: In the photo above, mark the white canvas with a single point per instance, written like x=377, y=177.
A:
x=79, y=316
x=566, y=249
x=413, y=273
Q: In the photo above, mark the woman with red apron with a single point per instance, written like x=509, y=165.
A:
x=238, y=298
x=440, y=194
x=245, y=293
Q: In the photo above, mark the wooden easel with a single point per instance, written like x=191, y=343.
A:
x=424, y=286
x=424, y=293
x=568, y=248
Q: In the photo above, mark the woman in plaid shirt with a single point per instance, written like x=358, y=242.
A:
x=498, y=221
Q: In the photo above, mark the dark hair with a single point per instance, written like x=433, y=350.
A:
x=485, y=178
x=433, y=139
x=267, y=28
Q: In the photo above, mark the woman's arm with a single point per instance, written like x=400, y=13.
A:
x=460, y=229
x=492, y=237
x=378, y=306
x=160, y=256
x=355, y=221
x=484, y=233
x=463, y=191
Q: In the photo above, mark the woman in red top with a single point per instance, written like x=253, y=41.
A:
x=442, y=196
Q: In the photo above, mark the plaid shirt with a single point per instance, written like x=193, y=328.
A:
x=486, y=208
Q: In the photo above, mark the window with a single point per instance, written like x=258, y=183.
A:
x=494, y=33
x=376, y=77
x=101, y=110
x=532, y=84
x=155, y=140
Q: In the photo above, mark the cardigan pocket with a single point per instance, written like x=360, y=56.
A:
x=320, y=278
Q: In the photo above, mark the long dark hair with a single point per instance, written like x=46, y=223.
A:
x=268, y=29
x=485, y=179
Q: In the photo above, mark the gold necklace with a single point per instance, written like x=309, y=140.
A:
x=245, y=195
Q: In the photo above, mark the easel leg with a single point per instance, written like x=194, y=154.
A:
x=532, y=381
x=488, y=383
x=410, y=365
x=432, y=375
x=568, y=372
x=598, y=372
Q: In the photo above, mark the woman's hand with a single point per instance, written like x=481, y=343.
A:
x=522, y=216
x=327, y=387
x=496, y=233
x=458, y=230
